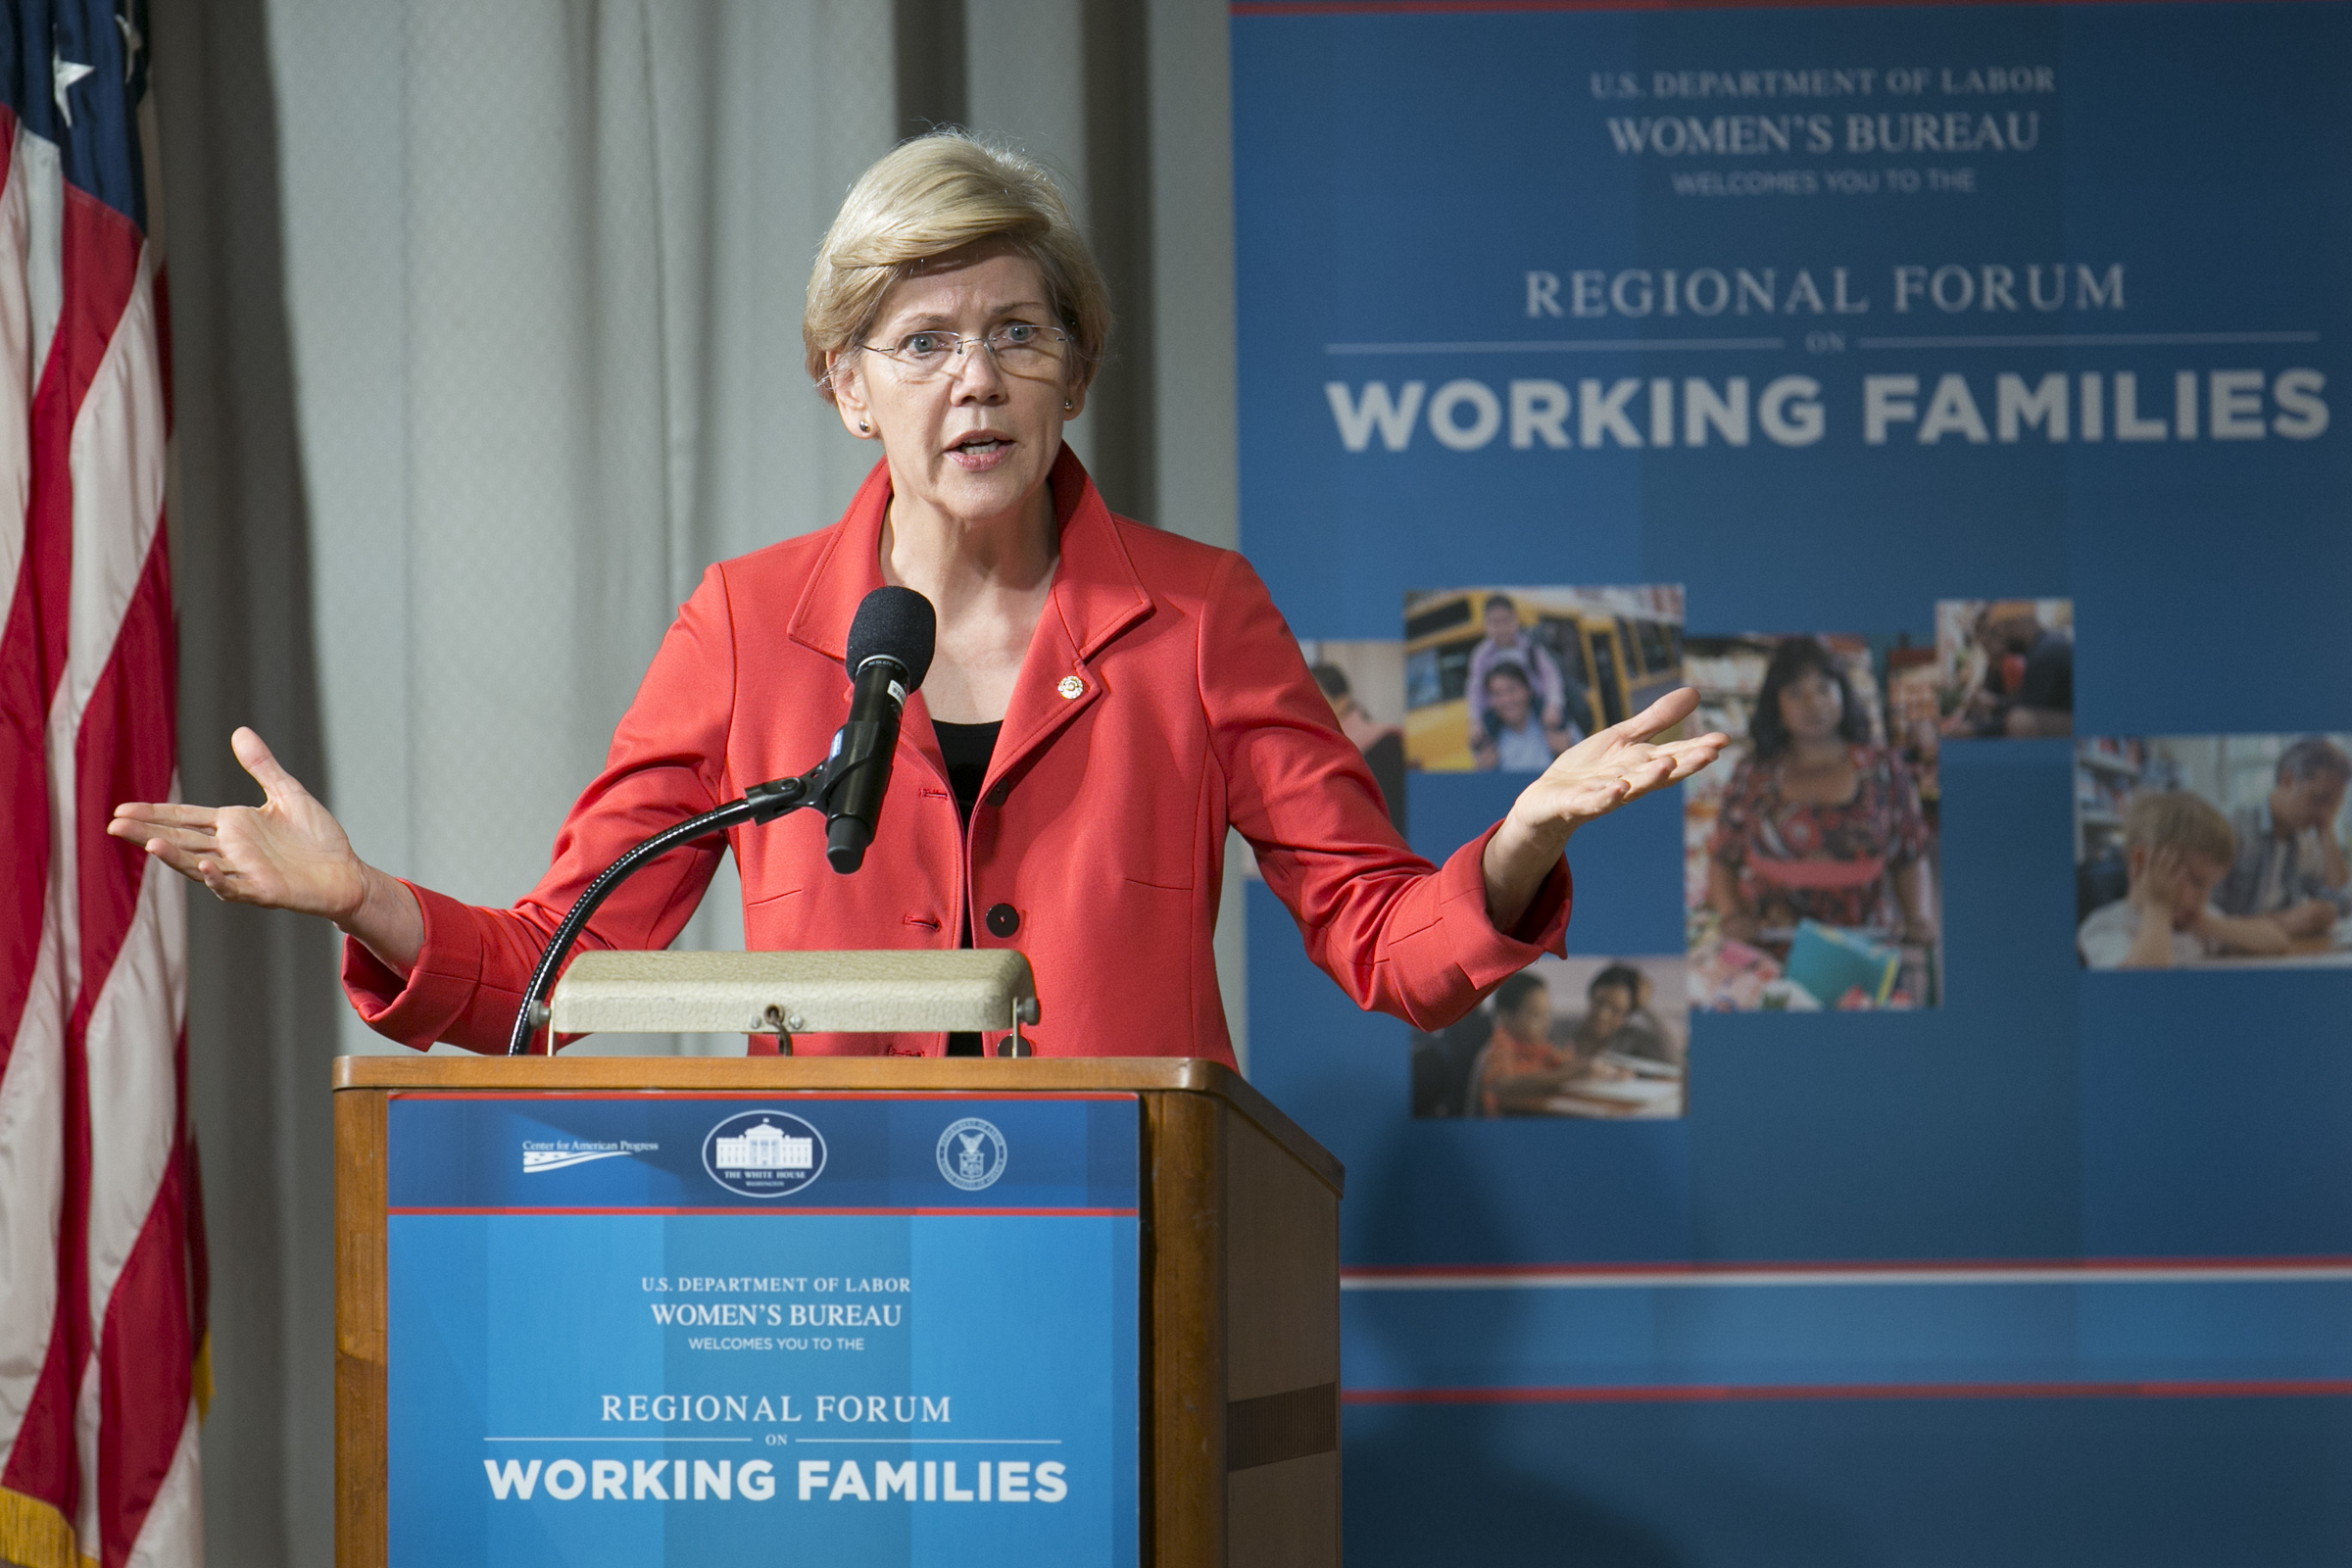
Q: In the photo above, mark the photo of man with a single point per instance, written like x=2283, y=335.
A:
x=1505, y=679
x=2289, y=867
x=2206, y=849
x=1579, y=1037
x=2006, y=667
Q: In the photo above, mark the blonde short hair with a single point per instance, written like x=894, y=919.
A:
x=2176, y=819
x=934, y=195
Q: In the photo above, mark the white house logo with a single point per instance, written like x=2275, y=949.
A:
x=540, y=1156
x=764, y=1153
x=971, y=1154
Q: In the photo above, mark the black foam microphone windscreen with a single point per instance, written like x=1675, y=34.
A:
x=890, y=653
x=897, y=624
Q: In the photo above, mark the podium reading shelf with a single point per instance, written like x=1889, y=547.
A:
x=833, y=1309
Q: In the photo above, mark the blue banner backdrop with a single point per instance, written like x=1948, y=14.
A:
x=1829, y=314
x=681, y=1328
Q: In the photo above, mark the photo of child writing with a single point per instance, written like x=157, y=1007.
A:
x=1586, y=1037
x=2206, y=849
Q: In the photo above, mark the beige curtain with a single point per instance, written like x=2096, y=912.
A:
x=547, y=367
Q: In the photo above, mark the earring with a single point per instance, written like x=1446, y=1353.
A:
x=1065, y=405
x=865, y=428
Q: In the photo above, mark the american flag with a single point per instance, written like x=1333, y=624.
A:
x=102, y=1349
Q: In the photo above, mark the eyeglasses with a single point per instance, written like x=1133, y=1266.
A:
x=1018, y=348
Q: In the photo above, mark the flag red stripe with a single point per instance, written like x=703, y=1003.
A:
x=123, y=753
x=100, y=267
x=23, y=806
x=146, y=1364
x=42, y=1463
x=45, y=1463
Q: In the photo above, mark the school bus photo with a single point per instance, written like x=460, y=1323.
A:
x=1618, y=650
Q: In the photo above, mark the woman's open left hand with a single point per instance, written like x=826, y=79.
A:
x=288, y=852
x=1622, y=762
x=1590, y=779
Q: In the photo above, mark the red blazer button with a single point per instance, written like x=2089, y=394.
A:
x=1002, y=919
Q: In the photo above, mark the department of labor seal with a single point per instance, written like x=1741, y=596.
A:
x=971, y=1154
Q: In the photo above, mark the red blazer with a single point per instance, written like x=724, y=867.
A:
x=1102, y=821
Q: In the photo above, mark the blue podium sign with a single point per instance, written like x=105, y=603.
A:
x=674, y=1328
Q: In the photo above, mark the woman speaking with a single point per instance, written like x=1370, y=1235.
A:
x=1105, y=699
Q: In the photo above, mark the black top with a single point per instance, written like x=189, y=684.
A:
x=965, y=749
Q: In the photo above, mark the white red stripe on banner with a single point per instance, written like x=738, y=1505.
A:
x=101, y=1316
x=1812, y=1275
x=1783, y=1392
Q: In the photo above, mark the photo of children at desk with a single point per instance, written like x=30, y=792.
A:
x=2212, y=849
x=1586, y=1037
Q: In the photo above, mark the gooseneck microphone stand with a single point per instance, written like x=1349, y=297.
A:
x=890, y=645
x=761, y=803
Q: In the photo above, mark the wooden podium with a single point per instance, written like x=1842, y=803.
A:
x=1238, y=1293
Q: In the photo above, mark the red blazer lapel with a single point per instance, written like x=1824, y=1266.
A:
x=1097, y=595
x=849, y=567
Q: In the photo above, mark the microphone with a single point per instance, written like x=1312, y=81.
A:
x=890, y=653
